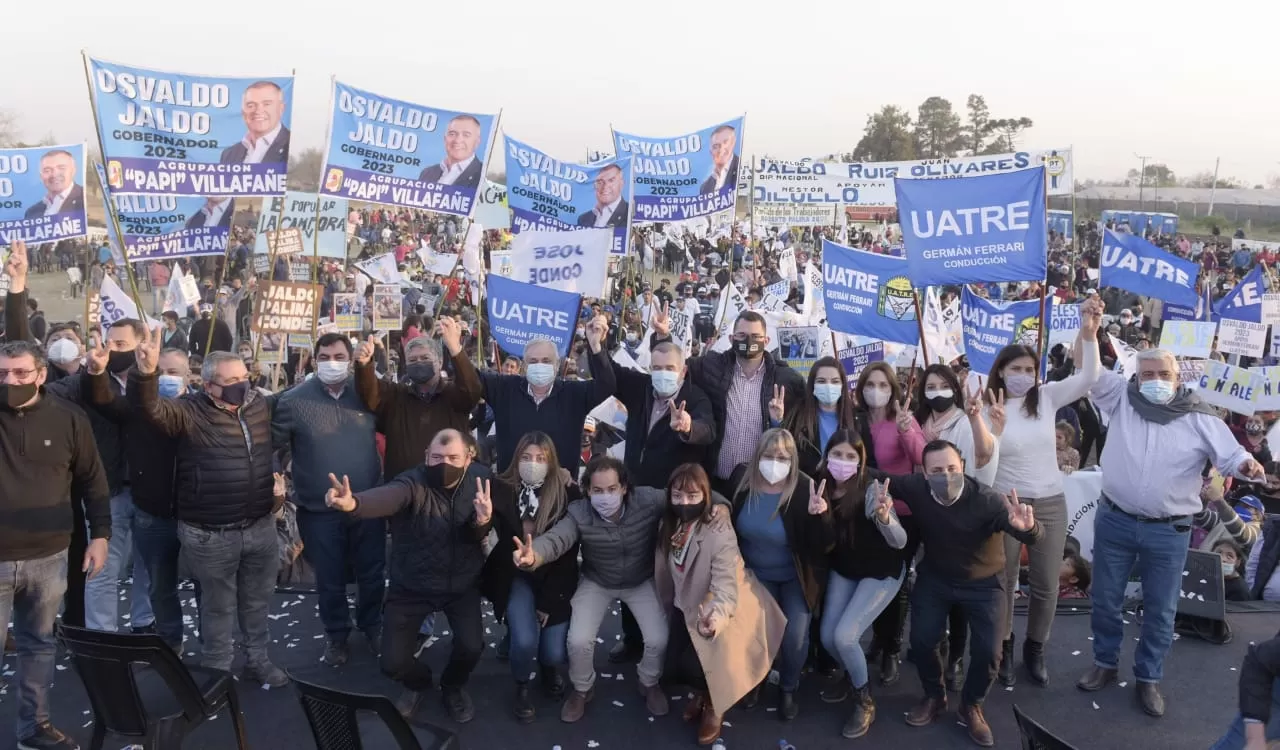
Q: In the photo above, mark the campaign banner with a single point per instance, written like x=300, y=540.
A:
x=974, y=229
x=389, y=151
x=439, y=264
x=300, y=213
x=854, y=358
x=42, y=194
x=1233, y=388
x=685, y=176
x=381, y=269
x=868, y=295
x=1241, y=337
x=1187, y=338
x=1245, y=301
x=347, y=311
x=1173, y=311
x=492, y=209
x=780, y=289
x=801, y=346
x=168, y=133
x=1061, y=222
x=520, y=312
x=990, y=326
x=571, y=261
x=794, y=215
x=1057, y=165
x=1269, y=398
x=388, y=304
x=157, y=227
x=1131, y=263
x=809, y=183
x=1064, y=323
x=546, y=193
x=285, y=307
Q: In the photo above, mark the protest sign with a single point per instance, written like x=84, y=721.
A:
x=346, y=311
x=991, y=326
x=571, y=261
x=1064, y=323
x=387, y=306
x=285, y=241
x=684, y=176
x=520, y=312
x=156, y=227
x=299, y=211
x=1271, y=309
x=1187, y=338
x=28, y=177
x=974, y=229
x=854, y=358
x=1189, y=372
x=1244, y=302
x=286, y=306
x=1129, y=262
x=492, y=209
x=1056, y=163
x=272, y=347
x=812, y=187
x=548, y=194
x=1233, y=388
x=167, y=133
x=384, y=150
x=1241, y=337
x=794, y=215
x=800, y=347
x=867, y=294
x=1269, y=398
x=780, y=288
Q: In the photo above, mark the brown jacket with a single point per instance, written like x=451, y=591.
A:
x=740, y=655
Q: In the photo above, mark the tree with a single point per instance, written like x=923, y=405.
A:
x=8, y=129
x=887, y=136
x=978, y=126
x=1007, y=131
x=938, y=132
x=1205, y=180
x=304, y=170
x=1157, y=175
x=1273, y=181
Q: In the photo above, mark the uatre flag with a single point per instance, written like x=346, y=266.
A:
x=991, y=326
x=1130, y=262
x=974, y=229
x=868, y=294
x=1245, y=301
x=519, y=313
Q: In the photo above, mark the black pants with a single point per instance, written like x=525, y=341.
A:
x=631, y=636
x=73, y=600
x=983, y=604
x=957, y=634
x=682, y=665
x=403, y=617
x=889, y=625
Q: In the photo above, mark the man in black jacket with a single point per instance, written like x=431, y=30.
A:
x=226, y=495
x=1256, y=724
x=439, y=514
x=46, y=449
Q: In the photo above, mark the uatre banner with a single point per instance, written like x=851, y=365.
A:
x=795, y=215
x=400, y=153
x=42, y=194
x=173, y=134
x=685, y=176
x=168, y=226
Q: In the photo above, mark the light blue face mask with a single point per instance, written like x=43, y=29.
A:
x=827, y=393
x=171, y=385
x=1157, y=391
x=540, y=373
x=665, y=382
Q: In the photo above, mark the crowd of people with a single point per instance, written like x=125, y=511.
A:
x=748, y=518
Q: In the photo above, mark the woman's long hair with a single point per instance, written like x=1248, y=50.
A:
x=895, y=389
x=803, y=421
x=753, y=480
x=847, y=508
x=995, y=379
x=946, y=373
x=552, y=497
x=686, y=478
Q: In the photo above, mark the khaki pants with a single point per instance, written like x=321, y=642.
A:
x=590, y=602
x=1045, y=557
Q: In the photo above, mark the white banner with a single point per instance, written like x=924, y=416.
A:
x=381, y=268
x=300, y=213
x=115, y=305
x=574, y=261
x=440, y=264
x=1064, y=322
x=1241, y=337
x=1269, y=398
x=795, y=215
x=1233, y=388
x=731, y=306
x=491, y=206
x=1187, y=338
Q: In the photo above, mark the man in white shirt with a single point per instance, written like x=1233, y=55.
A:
x=724, y=164
x=266, y=138
x=1159, y=438
x=611, y=210
x=58, y=173
x=460, y=166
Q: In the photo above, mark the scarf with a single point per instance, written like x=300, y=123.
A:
x=1183, y=402
x=934, y=427
x=529, y=500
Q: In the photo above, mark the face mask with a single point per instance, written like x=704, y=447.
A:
x=1228, y=569
x=942, y=400
x=827, y=393
x=420, y=373
x=875, y=397
x=1017, y=384
x=1157, y=391
x=235, y=394
x=63, y=351
x=15, y=396
x=444, y=476
x=606, y=504
x=688, y=513
x=665, y=382
x=747, y=348
x=172, y=385
x=946, y=487
x=1253, y=429
x=540, y=373
x=632, y=337
x=842, y=469
x=532, y=472
x=118, y=362
x=774, y=471
x=332, y=373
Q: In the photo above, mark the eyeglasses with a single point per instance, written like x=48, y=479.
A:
x=22, y=374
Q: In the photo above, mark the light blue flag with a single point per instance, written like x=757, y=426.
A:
x=520, y=313
x=1130, y=262
x=42, y=194
x=1245, y=301
x=868, y=294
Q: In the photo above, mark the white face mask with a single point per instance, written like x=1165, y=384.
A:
x=875, y=397
x=532, y=472
x=332, y=372
x=774, y=471
x=540, y=373
x=63, y=351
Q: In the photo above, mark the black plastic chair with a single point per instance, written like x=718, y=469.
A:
x=1036, y=737
x=333, y=716
x=156, y=707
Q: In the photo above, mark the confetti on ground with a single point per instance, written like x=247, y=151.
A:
x=619, y=677
x=1075, y=653
x=1233, y=669
x=1008, y=690
x=1124, y=683
x=592, y=743
x=618, y=704
x=1096, y=706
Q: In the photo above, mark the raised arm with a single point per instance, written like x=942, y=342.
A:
x=169, y=416
x=1076, y=386
x=378, y=395
x=467, y=389
x=603, y=384
x=17, y=328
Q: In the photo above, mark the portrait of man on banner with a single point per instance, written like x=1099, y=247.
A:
x=724, y=162
x=58, y=173
x=611, y=209
x=266, y=138
x=460, y=166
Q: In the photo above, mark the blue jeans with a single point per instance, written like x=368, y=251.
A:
x=1234, y=738
x=31, y=591
x=155, y=541
x=529, y=641
x=102, y=592
x=795, y=639
x=332, y=543
x=982, y=603
x=1159, y=552
x=849, y=609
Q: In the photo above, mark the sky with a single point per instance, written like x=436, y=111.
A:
x=1181, y=82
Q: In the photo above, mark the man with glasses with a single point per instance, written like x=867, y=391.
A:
x=611, y=210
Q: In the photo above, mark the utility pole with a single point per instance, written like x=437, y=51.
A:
x=1213, y=189
x=1142, y=179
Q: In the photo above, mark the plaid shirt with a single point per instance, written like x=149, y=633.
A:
x=742, y=420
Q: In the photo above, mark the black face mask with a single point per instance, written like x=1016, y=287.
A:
x=747, y=349
x=444, y=476
x=119, y=362
x=235, y=394
x=940, y=403
x=16, y=395
x=420, y=373
x=688, y=513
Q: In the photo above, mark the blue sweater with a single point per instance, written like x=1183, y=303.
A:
x=763, y=539
x=326, y=434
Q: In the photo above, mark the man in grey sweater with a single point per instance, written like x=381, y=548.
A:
x=325, y=423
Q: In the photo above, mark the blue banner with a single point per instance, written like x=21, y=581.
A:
x=1061, y=222
x=519, y=313
x=405, y=154
x=545, y=193
x=974, y=229
x=42, y=194
x=868, y=294
x=174, y=134
x=991, y=326
x=1130, y=262
x=686, y=176
x=855, y=358
x=157, y=227
x=1173, y=311
x=1245, y=301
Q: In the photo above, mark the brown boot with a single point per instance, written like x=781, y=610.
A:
x=979, y=729
x=926, y=711
x=655, y=700
x=693, y=709
x=709, y=727
x=576, y=705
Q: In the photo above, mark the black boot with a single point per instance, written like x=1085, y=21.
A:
x=553, y=682
x=1033, y=658
x=864, y=712
x=888, y=667
x=1006, y=664
x=873, y=649
x=523, y=705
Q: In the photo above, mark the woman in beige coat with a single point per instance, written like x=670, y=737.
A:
x=725, y=628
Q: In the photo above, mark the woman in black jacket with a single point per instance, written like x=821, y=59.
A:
x=529, y=498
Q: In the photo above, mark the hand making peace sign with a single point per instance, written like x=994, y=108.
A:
x=777, y=404
x=661, y=321
x=16, y=267
x=148, y=352
x=339, y=495
x=681, y=421
x=904, y=418
x=483, y=502
x=883, y=503
x=996, y=411
x=523, y=554
x=817, y=498
x=96, y=357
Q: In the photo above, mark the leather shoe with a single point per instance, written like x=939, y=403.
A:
x=787, y=706
x=1005, y=672
x=709, y=727
x=655, y=700
x=693, y=709
x=926, y=711
x=979, y=730
x=576, y=705
x=888, y=668
x=1096, y=679
x=1151, y=699
x=1033, y=660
